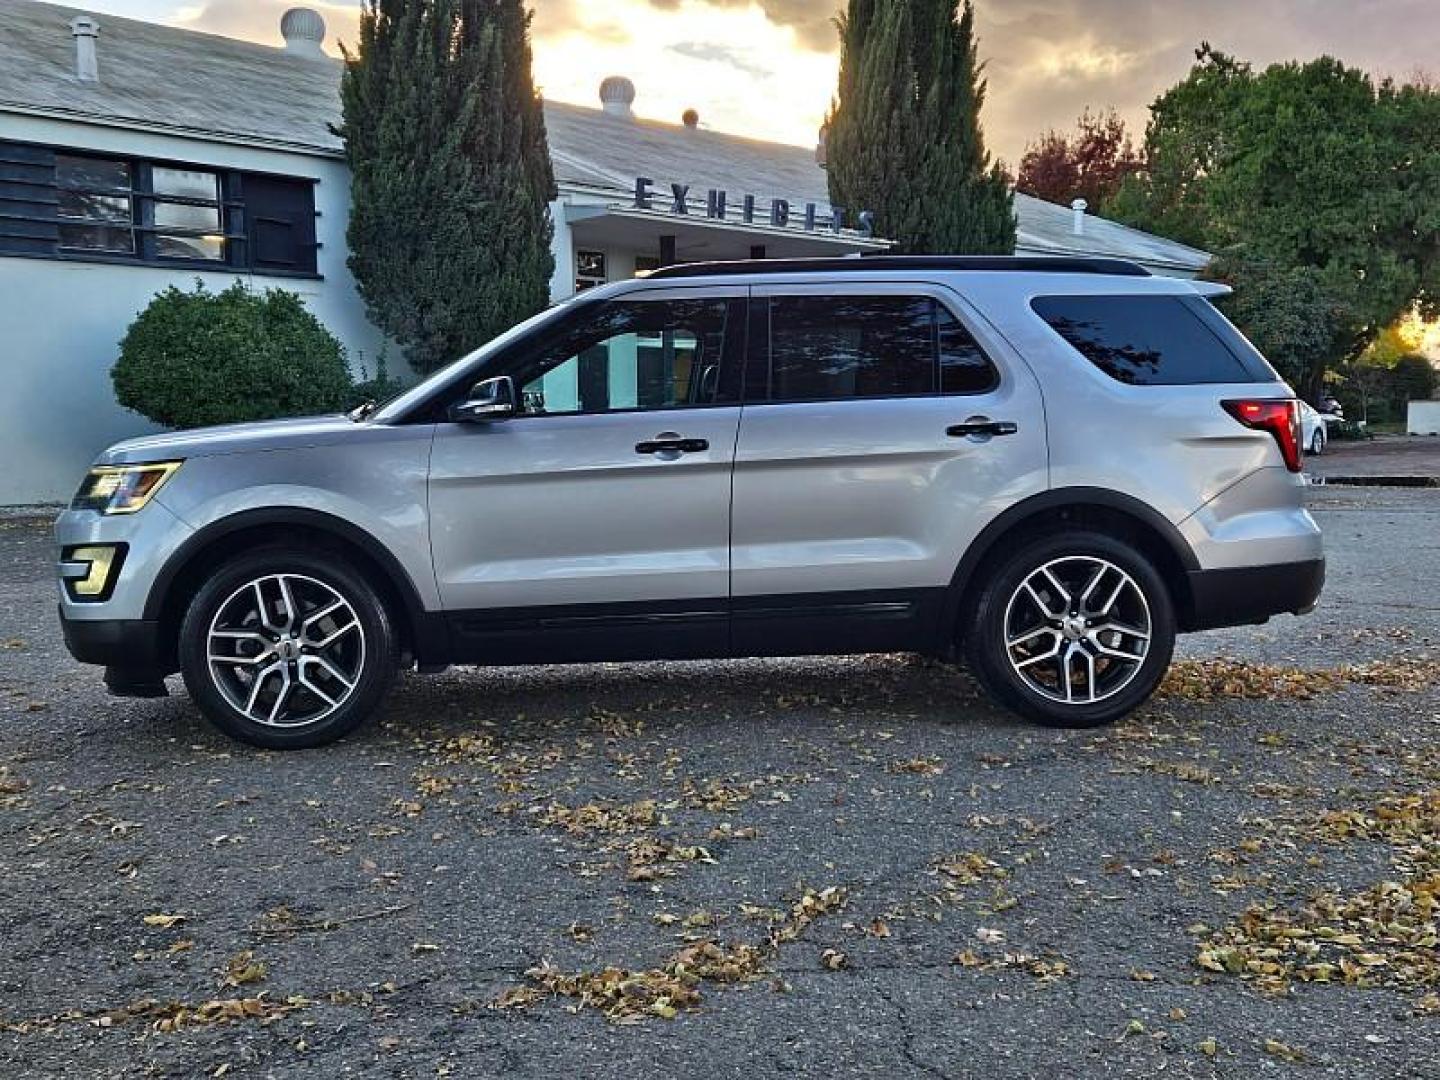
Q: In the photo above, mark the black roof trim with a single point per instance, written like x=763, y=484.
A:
x=971, y=263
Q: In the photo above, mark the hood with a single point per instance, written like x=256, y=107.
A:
x=232, y=439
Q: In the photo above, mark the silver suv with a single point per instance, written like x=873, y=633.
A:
x=1046, y=467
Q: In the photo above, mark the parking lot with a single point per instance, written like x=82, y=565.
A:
x=748, y=869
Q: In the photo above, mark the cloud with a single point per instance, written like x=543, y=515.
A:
x=718, y=54
x=812, y=20
x=259, y=20
x=1048, y=59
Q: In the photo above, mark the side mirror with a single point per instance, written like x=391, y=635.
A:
x=491, y=399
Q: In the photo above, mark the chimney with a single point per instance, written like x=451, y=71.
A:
x=617, y=94
x=821, y=156
x=304, y=32
x=1078, y=207
x=690, y=118
x=85, y=30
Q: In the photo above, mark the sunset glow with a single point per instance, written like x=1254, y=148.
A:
x=766, y=68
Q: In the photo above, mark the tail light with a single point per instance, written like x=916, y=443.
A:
x=1279, y=416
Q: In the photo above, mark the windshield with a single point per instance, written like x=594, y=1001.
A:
x=400, y=404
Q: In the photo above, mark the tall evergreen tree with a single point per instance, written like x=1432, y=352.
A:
x=903, y=135
x=449, y=227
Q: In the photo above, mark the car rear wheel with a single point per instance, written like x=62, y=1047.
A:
x=285, y=649
x=1317, y=442
x=1072, y=630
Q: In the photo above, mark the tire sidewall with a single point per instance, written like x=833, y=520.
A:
x=381, y=647
x=985, y=637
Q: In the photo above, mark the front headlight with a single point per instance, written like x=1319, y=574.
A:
x=122, y=489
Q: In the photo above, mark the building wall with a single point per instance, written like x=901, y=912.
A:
x=61, y=322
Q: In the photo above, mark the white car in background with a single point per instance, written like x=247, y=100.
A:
x=1315, y=429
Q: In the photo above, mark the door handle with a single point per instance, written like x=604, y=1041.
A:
x=982, y=427
x=668, y=444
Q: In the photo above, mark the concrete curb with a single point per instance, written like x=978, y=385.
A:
x=1376, y=481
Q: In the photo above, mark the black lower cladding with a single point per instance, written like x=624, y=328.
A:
x=791, y=625
x=125, y=643
x=132, y=651
x=1252, y=594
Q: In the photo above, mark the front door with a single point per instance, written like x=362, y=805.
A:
x=595, y=524
x=885, y=425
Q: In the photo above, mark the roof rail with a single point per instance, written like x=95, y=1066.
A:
x=951, y=263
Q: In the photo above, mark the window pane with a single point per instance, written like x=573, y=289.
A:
x=964, y=367
x=75, y=204
x=633, y=355
x=824, y=348
x=1142, y=340
x=190, y=247
x=189, y=184
x=82, y=172
x=97, y=238
x=183, y=216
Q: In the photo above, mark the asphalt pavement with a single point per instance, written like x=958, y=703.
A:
x=801, y=867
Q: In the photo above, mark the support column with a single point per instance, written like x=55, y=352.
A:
x=667, y=251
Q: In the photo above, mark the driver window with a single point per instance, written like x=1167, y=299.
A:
x=633, y=355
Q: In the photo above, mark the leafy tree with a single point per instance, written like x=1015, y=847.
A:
x=1287, y=312
x=1302, y=165
x=1185, y=145
x=903, y=135
x=1092, y=164
x=191, y=359
x=449, y=228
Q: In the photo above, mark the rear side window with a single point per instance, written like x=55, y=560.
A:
x=1145, y=340
x=827, y=348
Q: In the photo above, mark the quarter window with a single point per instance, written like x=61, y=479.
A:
x=1143, y=340
x=827, y=348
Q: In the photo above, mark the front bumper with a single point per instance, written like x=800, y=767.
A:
x=1251, y=594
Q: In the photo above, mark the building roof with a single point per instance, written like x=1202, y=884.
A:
x=211, y=87
x=164, y=78
x=593, y=148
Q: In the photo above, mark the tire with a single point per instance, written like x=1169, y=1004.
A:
x=315, y=686
x=1101, y=692
x=1317, y=443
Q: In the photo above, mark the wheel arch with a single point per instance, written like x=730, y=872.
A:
x=422, y=633
x=1110, y=512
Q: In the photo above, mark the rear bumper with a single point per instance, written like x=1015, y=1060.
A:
x=1251, y=594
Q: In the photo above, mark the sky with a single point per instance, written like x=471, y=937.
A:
x=766, y=68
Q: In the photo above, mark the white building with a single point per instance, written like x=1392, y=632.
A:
x=135, y=156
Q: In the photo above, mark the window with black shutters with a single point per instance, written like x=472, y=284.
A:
x=827, y=348
x=1144, y=340
x=76, y=205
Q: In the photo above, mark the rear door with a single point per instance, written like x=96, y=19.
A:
x=885, y=425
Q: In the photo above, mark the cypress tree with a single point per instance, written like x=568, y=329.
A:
x=903, y=135
x=449, y=228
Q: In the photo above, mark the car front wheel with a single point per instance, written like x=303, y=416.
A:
x=287, y=649
x=1317, y=443
x=1072, y=630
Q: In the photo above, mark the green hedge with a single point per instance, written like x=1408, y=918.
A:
x=192, y=359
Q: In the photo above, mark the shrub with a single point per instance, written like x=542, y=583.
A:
x=196, y=358
x=379, y=390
